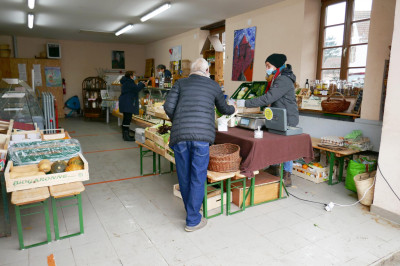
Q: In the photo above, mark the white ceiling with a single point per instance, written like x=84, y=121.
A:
x=63, y=19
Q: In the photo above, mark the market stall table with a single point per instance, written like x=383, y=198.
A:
x=339, y=153
x=259, y=153
x=271, y=149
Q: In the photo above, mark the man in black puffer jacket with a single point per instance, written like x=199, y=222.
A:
x=190, y=106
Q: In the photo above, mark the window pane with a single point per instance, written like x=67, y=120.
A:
x=359, y=32
x=334, y=36
x=330, y=74
x=358, y=56
x=335, y=14
x=362, y=9
x=356, y=75
x=332, y=58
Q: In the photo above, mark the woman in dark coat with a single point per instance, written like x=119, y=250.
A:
x=129, y=101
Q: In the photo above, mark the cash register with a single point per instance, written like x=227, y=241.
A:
x=276, y=122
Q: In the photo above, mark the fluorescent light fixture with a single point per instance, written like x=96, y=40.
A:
x=31, y=4
x=30, y=20
x=124, y=29
x=155, y=12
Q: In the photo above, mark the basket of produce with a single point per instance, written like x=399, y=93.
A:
x=224, y=158
x=334, y=106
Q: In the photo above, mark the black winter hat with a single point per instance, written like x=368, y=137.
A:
x=277, y=60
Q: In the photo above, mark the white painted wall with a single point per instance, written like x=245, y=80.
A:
x=389, y=154
x=380, y=37
x=191, y=42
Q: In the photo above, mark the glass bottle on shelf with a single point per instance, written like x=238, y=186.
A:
x=325, y=85
x=312, y=86
x=332, y=87
x=317, y=87
x=307, y=85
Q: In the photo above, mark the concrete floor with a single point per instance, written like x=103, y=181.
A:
x=138, y=221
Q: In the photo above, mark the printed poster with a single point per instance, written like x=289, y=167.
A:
x=53, y=76
x=37, y=75
x=175, y=53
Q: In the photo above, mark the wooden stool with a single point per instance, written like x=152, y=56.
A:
x=66, y=192
x=24, y=199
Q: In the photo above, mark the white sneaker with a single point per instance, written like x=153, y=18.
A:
x=203, y=222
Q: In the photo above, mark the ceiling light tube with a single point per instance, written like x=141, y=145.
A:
x=155, y=12
x=124, y=29
x=31, y=4
x=30, y=20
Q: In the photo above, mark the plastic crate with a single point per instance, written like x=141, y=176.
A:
x=244, y=84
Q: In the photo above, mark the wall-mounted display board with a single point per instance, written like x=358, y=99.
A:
x=12, y=67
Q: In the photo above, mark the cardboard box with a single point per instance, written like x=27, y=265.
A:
x=213, y=198
x=14, y=184
x=266, y=188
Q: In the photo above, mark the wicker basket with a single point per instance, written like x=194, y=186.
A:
x=224, y=158
x=335, y=106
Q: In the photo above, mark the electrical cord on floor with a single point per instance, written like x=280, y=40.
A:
x=316, y=202
x=387, y=182
x=329, y=206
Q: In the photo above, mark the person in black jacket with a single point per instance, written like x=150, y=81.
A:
x=190, y=106
x=280, y=94
x=129, y=101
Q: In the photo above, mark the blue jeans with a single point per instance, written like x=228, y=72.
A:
x=288, y=166
x=191, y=158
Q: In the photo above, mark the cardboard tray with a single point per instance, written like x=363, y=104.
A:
x=15, y=184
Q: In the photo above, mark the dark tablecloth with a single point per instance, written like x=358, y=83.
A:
x=271, y=149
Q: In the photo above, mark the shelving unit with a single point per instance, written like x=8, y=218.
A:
x=216, y=63
x=91, y=95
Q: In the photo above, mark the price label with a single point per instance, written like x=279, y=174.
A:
x=268, y=113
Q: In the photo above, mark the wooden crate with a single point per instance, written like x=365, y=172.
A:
x=312, y=103
x=266, y=188
x=149, y=133
x=213, y=198
x=314, y=174
x=149, y=143
x=168, y=156
x=159, y=140
x=244, y=110
x=52, y=136
x=160, y=150
x=14, y=184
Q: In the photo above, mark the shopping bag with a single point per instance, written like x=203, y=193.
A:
x=356, y=167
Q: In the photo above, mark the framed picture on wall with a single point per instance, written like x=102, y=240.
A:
x=243, y=54
x=118, y=60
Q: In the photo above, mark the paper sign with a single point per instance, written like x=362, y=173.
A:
x=22, y=72
x=37, y=75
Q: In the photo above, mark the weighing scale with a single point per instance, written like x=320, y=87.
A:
x=276, y=122
x=251, y=121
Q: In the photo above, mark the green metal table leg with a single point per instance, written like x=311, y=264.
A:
x=252, y=188
x=55, y=218
x=341, y=165
x=331, y=165
x=79, y=196
x=280, y=182
x=228, y=192
x=171, y=167
x=19, y=227
x=47, y=218
x=44, y=205
x=154, y=163
x=159, y=163
x=7, y=221
x=141, y=159
x=205, y=207
x=78, y=203
x=205, y=200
